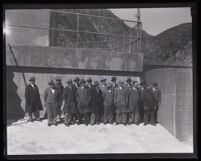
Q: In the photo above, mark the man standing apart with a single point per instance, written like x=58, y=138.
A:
x=60, y=87
x=33, y=101
x=51, y=99
x=157, y=95
x=121, y=101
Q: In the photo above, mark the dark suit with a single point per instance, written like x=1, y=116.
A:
x=133, y=105
x=108, y=100
x=142, y=92
x=121, y=101
x=33, y=101
x=83, y=98
x=60, y=87
x=96, y=103
x=52, y=102
x=149, y=104
x=69, y=96
x=157, y=96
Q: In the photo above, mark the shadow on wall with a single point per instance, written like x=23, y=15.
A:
x=14, y=109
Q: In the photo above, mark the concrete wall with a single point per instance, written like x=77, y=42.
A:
x=27, y=36
x=176, y=109
x=55, y=57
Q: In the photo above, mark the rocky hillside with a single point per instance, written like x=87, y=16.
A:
x=171, y=47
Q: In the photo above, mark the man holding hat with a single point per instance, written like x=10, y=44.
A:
x=33, y=101
x=60, y=87
x=121, y=103
x=52, y=101
x=108, y=100
x=157, y=94
x=83, y=98
x=96, y=103
x=69, y=96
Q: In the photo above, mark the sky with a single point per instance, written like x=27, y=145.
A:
x=156, y=20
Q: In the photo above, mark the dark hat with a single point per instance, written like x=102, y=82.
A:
x=155, y=84
x=82, y=81
x=113, y=79
x=77, y=79
x=58, y=78
x=32, y=79
x=129, y=79
x=103, y=79
x=89, y=79
x=96, y=83
x=134, y=82
x=109, y=85
x=69, y=81
x=51, y=82
x=120, y=82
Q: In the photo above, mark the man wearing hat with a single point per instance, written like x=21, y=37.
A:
x=121, y=102
x=108, y=100
x=69, y=96
x=52, y=100
x=114, y=82
x=75, y=86
x=60, y=87
x=96, y=103
x=103, y=88
x=128, y=83
x=33, y=101
x=133, y=103
x=142, y=92
x=149, y=107
x=157, y=94
x=83, y=98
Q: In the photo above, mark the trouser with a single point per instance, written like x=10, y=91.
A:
x=134, y=115
x=156, y=113
x=59, y=111
x=84, y=116
x=121, y=118
x=108, y=113
x=94, y=118
x=52, y=113
x=150, y=116
x=35, y=113
x=68, y=118
x=141, y=112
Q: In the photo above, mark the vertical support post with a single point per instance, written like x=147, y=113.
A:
x=130, y=41
x=77, y=36
x=123, y=44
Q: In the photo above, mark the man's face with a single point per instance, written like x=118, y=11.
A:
x=104, y=82
x=51, y=86
x=83, y=84
x=32, y=82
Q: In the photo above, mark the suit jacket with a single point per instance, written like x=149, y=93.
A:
x=50, y=98
x=120, y=96
x=60, y=87
x=149, y=99
x=32, y=98
x=108, y=98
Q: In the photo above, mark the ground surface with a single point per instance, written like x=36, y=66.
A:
x=38, y=138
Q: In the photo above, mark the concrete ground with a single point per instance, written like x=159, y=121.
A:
x=38, y=138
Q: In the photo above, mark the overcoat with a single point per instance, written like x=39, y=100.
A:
x=60, y=87
x=121, y=100
x=83, y=98
x=32, y=98
x=149, y=99
x=108, y=98
x=157, y=95
x=69, y=97
x=50, y=98
x=133, y=99
x=96, y=99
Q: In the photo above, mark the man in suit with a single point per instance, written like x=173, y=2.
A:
x=96, y=103
x=121, y=101
x=33, y=101
x=114, y=82
x=108, y=100
x=133, y=104
x=60, y=87
x=69, y=96
x=103, y=88
x=157, y=94
x=83, y=98
x=52, y=101
x=149, y=107
x=75, y=86
x=128, y=83
x=142, y=92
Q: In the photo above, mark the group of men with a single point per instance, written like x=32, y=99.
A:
x=88, y=102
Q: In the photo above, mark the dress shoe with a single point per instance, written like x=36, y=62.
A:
x=49, y=124
x=30, y=120
x=38, y=119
